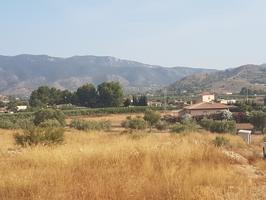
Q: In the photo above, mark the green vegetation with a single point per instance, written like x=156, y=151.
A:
x=38, y=135
x=152, y=118
x=45, y=96
x=107, y=94
x=13, y=118
x=49, y=114
x=258, y=119
x=50, y=123
x=218, y=126
x=162, y=125
x=185, y=126
x=110, y=94
x=220, y=141
x=86, y=95
x=136, y=123
x=15, y=123
x=90, y=125
x=245, y=91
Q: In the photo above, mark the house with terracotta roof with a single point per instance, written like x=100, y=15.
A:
x=205, y=108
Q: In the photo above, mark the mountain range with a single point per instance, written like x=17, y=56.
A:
x=21, y=74
x=224, y=81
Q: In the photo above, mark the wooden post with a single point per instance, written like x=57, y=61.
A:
x=264, y=150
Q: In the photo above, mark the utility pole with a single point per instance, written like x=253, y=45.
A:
x=247, y=87
x=165, y=96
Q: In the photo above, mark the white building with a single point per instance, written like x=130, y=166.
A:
x=230, y=101
x=207, y=97
x=21, y=108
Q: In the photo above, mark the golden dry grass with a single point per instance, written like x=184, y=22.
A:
x=108, y=166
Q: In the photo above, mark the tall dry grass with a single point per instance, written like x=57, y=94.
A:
x=102, y=166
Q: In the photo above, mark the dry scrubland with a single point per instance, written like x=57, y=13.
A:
x=100, y=165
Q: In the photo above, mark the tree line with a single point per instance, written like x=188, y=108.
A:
x=106, y=94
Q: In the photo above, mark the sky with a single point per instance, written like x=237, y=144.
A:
x=196, y=33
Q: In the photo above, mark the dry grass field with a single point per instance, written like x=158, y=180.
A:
x=100, y=165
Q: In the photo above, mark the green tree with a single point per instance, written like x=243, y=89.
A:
x=135, y=101
x=127, y=102
x=40, y=97
x=66, y=97
x=45, y=95
x=143, y=101
x=86, y=95
x=110, y=94
x=258, y=119
x=152, y=117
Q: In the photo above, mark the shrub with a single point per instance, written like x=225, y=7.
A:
x=7, y=124
x=220, y=141
x=49, y=114
x=90, y=125
x=226, y=115
x=161, y=125
x=178, y=128
x=135, y=123
x=258, y=119
x=13, y=123
x=152, y=117
x=185, y=126
x=50, y=123
x=37, y=135
x=218, y=126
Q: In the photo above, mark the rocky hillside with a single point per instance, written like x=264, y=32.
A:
x=19, y=75
x=230, y=80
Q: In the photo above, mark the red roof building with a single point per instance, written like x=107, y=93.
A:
x=205, y=108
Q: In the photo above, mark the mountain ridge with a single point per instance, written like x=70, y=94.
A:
x=21, y=74
x=224, y=81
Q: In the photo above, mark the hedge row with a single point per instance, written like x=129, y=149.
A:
x=85, y=111
x=116, y=110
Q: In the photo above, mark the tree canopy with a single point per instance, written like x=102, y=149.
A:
x=107, y=94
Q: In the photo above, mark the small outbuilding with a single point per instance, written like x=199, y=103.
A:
x=245, y=135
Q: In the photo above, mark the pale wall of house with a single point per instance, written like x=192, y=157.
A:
x=204, y=112
x=208, y=98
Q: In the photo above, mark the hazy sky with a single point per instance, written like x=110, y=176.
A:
x=206, y=33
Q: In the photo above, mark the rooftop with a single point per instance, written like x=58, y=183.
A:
x=206, y=105
x=205, y=93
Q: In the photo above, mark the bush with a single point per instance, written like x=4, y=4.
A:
x=220, y=141
x=226, y=115
x=134, y=123
x=178, y=128
x=7, y=124
x=14, y=123
x=162, y=125
x=90, y=125
x=37, y=135
x=218, y=126
x=50, y=123
x=185, y=126
x=152, y=117
x=49, y=114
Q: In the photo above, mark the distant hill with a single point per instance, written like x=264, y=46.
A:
x=230, y=80
x=21, y=74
